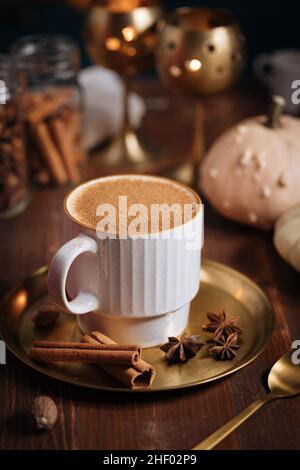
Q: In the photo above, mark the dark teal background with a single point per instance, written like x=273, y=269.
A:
x=268, y=25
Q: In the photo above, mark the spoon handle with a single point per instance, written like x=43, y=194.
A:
x=214, y=439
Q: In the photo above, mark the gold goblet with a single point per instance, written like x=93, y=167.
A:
x=200, y=51
x=124, y=40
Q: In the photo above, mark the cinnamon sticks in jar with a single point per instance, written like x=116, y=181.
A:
x=13, y=168
x=53, y=136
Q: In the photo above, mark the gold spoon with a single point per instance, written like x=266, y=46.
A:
x=283, y=381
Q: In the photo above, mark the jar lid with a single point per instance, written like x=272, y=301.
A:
x=47, y=55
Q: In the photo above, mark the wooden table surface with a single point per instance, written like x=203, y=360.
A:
x=92, y=420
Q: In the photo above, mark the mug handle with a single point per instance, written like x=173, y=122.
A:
x=59, y=268
x=259, y=67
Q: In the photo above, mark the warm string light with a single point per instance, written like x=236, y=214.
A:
x=128, y=33
x=113, y=44
x=131, y=51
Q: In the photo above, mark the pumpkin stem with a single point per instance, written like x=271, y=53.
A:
x=275, y=111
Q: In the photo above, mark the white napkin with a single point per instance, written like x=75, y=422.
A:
x=102, y=91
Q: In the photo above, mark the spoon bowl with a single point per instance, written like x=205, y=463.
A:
x=284, y=377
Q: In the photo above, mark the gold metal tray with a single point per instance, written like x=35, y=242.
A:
x=221, y=287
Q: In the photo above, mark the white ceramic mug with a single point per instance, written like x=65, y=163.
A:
x=278, y=71
x=134, y=289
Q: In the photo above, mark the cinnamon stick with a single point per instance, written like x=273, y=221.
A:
x=72, y=119
x=87, y=346
x=47, y=107
x=63, y=142
x=140, y=376
x=32, y=100
x=55, y=114
x=73, y=124
x=84, y=355
x=50, y=154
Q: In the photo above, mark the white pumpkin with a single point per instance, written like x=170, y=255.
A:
x=287, y=237
x=251, y=174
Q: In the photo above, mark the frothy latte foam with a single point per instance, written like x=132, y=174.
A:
x=89, y=203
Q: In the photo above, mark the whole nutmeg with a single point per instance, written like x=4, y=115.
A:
x=44, y=413
x=45, y=315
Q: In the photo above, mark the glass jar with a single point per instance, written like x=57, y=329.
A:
x=13, y=168
x=49, y=64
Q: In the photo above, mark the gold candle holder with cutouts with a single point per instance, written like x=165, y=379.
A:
x=200, y=52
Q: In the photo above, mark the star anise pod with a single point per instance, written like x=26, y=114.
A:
x=183, y=349
x=221, y=325
x=224, y=348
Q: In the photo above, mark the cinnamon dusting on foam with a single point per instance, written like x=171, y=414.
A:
x=83, y=202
